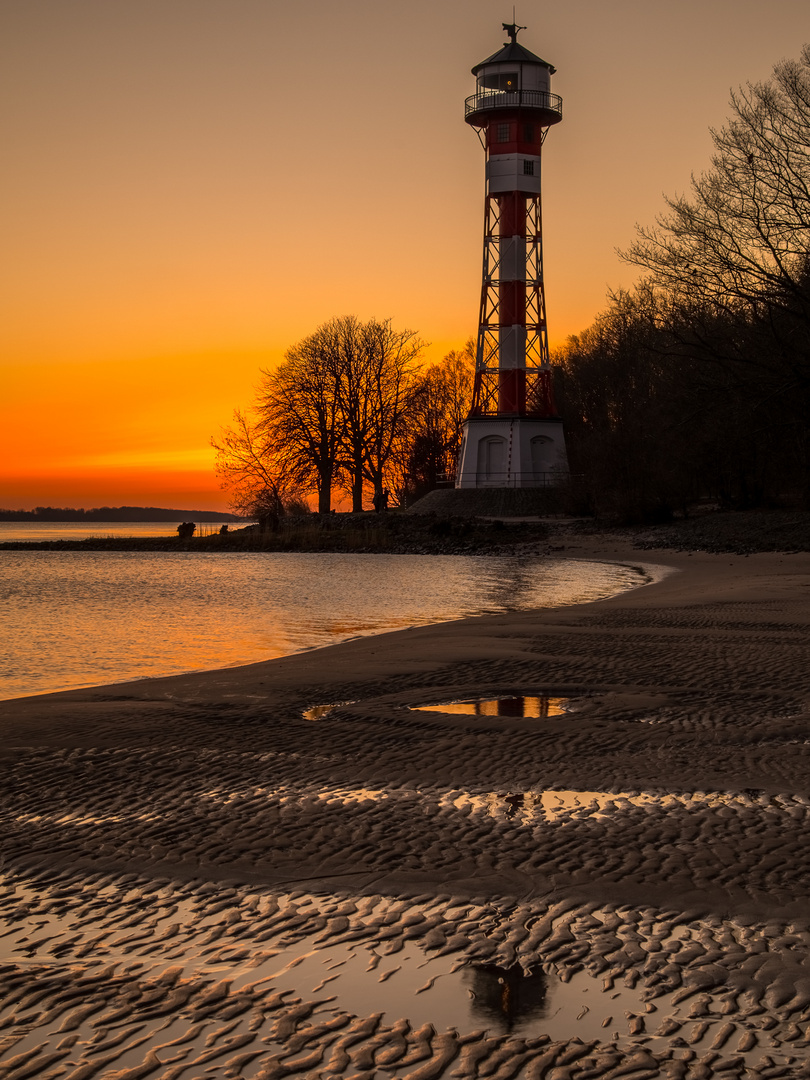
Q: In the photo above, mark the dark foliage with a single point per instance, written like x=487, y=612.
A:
x=696, y=384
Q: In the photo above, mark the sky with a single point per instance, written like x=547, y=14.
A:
x=190, y=187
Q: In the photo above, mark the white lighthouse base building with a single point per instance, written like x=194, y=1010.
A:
x=512, y=453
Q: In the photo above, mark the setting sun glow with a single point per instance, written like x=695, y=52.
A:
x=191, y=188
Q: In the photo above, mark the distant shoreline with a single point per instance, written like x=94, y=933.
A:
x=117, y=514
x=349, y=534
x=732, y=532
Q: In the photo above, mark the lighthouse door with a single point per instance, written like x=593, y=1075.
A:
x=492, y=460
x=541, y=448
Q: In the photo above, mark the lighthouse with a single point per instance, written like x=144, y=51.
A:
x=513, y=436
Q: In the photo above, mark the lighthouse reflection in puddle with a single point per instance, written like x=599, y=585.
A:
x=505, y=999
x=510, y=705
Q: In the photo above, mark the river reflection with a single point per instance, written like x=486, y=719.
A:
x=85, y=618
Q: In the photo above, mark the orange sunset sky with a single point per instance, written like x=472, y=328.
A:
x=191, y=186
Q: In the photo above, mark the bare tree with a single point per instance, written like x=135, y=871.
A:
x=618, y=399
x=388, y=382
x=439, y=407
x=731, y=265
x=254, y=473
x=300, y=415
x=376, y=365
x=739, y=244
x=333, y=413
x=458, y=374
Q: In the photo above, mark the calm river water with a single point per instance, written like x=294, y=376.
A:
x=74, y=619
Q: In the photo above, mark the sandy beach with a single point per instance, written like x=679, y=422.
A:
x=198, y=879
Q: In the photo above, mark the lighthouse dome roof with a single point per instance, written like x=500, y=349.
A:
x=513, y=53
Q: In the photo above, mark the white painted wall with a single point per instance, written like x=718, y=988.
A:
x=505, y=173
x=533, y=452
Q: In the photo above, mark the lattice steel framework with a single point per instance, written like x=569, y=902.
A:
x=538, y=401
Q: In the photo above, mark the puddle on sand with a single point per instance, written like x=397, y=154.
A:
x=317, y=712
x=508, y=705
x=511, y=705
x=362, y=980
x=400, y=980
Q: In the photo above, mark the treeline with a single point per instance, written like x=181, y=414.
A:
x=696, y=383
x=112, y=513
x=351, y=410
x=693, y=385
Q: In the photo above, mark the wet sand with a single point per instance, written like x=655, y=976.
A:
x=198, y=881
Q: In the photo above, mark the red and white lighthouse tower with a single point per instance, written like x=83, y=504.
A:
x=513, y=436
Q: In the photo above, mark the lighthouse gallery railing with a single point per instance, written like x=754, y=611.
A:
x=510, y=99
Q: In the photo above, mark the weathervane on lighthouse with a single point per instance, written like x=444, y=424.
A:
x=513, y=436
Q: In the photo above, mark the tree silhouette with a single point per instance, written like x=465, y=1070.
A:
x=334, y=413
x=439, y=406
x=376, y=394
x=736, y=250
x=697, y=381
x=300, y=416
x=250, y=467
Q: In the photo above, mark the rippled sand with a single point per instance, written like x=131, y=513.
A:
x=199, y=881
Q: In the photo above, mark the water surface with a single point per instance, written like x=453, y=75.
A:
x=74, y=619
x=37, y=531
x=512, y=705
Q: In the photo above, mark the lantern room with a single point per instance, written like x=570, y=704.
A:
x=513, y=78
